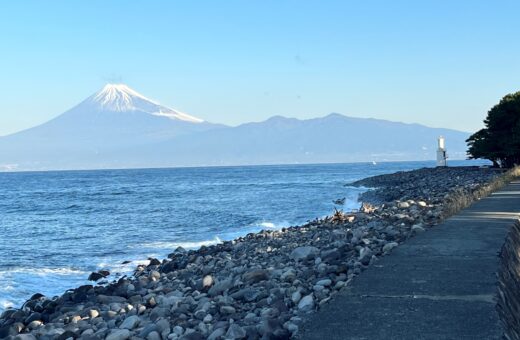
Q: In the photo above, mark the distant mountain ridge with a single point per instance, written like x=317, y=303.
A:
x=119, y=128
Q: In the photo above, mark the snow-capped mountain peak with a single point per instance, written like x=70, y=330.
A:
x=118, y=97
x=121, y=98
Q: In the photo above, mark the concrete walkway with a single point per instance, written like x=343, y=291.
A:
x=438, y=285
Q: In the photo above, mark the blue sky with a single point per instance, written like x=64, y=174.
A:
x=439, y=63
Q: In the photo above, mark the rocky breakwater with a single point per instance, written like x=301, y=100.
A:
x=258, y=286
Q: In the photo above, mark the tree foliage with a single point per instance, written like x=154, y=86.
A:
x=499, y=141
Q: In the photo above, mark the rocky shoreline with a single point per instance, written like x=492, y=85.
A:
x=260, y=286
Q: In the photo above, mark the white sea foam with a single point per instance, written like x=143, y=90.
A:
x=272, y=225
x=65, y=271
x=5, y=304
x=185, y=245
x=351, y=200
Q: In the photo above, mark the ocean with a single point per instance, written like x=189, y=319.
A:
x=59, y=226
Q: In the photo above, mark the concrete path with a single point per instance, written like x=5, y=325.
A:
x=438, y=285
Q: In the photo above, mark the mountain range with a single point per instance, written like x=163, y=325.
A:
x=119, y=128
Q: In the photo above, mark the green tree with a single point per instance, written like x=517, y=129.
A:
x=499, y=141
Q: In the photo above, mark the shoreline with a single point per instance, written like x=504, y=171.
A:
x=259, y=285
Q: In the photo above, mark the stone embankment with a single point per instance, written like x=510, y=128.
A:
x=259, y=286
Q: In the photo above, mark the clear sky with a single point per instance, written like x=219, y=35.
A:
x=439, y=63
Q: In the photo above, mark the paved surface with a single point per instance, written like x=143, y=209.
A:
x=438, y=285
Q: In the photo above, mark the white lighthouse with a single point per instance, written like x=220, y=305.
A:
x=441, y=152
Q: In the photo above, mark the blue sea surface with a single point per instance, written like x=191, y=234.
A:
x=59, y=226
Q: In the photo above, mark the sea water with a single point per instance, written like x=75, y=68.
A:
x=56, y=227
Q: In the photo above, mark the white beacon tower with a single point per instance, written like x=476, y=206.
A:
x=441, y=152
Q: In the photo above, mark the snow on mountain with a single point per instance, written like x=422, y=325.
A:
x=121, y=98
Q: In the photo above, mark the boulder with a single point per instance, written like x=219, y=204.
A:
x=304, y=253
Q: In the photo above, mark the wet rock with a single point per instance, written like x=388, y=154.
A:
x=95, y=276
x=34, y=324
x=34, y=316
x=154, y=262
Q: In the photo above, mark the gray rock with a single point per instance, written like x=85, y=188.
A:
x=365, y=254
x=306, y=303
x=153, y=336
x=256, y=275
x=248, y=294
x=304, y=253
x=220, y=287
x=25, y=337
x=178, y=330
x=235, y=332
x=296, y=297
x=324, y=282
x=389, y=246
x=163, y=326
x=34, y=316
x=288, y=276
x=147, y=330
x=217, y=333
x=269, y=313
x=154, y=275
x=119, y=334
x=130, y=322
x=330, y=255
x=104, y=299
x=227, y=310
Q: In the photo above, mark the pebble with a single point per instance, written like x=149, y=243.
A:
x=306, y=303
x=207, y=281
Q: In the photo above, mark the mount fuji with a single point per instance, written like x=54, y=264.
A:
x=114, y=118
